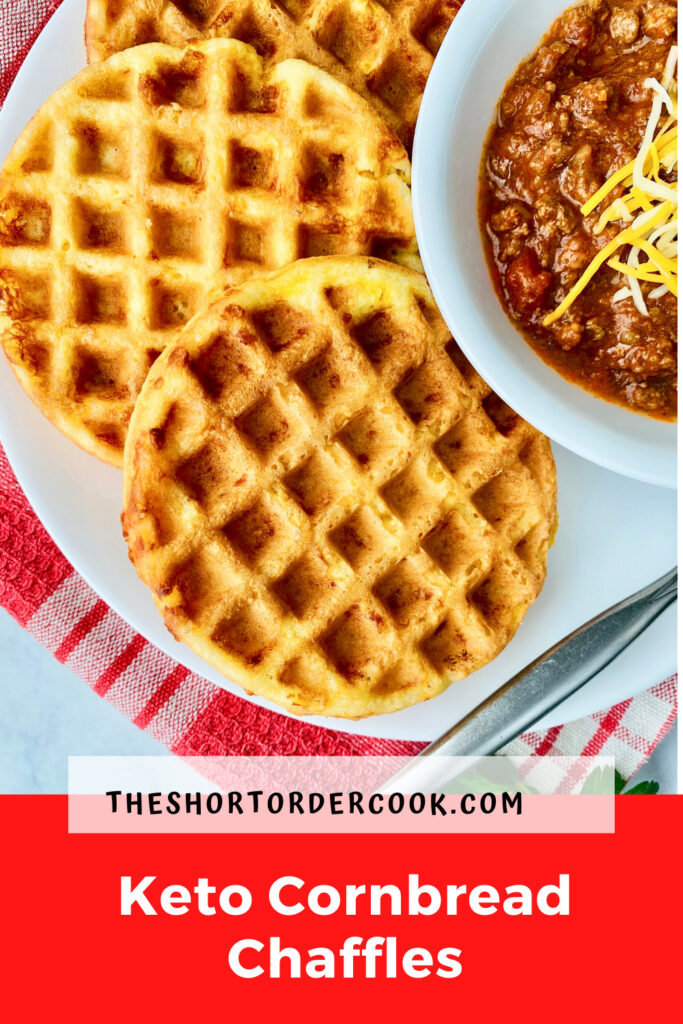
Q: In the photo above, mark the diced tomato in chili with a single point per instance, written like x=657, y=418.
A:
x=527, y=283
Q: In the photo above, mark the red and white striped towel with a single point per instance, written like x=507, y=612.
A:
x=183, y=711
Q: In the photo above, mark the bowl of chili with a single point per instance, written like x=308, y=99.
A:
x=545, y=204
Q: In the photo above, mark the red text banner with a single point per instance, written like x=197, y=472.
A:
x=600, y=941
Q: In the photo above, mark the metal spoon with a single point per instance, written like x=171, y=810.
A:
x=538, y=688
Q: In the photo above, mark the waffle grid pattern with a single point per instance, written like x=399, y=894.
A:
x=326, y=499
x=133, y=193
x=383, y=50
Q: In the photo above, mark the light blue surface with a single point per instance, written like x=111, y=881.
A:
x=47, y=713
x=662, y=766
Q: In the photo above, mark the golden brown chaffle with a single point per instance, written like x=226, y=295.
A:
x=156, y=175
x=384, y=50
x=327, y=502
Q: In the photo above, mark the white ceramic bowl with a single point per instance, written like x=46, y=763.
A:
x=484, y=46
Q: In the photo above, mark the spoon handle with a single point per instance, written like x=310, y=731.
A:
x=547, y=681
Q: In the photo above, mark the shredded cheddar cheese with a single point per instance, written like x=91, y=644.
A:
x=646, y=209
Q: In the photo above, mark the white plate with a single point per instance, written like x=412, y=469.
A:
x=615, y=534
x=482, y=49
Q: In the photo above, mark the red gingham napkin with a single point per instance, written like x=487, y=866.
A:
x=180, y=709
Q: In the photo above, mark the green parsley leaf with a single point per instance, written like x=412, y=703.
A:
x=643, y=788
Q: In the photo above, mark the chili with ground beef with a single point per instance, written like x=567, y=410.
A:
x=574, y=113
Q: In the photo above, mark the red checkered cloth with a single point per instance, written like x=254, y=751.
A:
x=180, y=709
